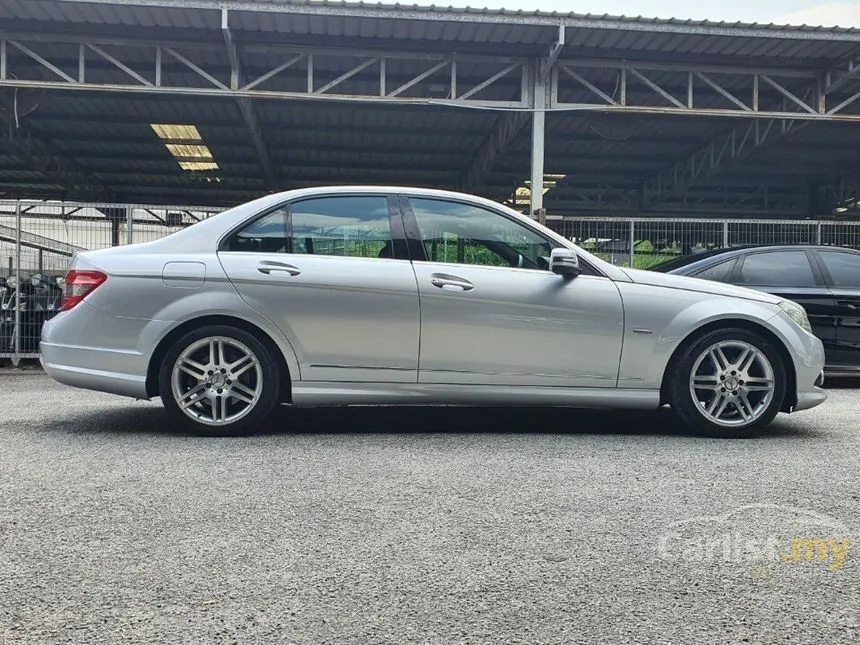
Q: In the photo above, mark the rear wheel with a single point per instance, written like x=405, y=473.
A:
x=218, y=381
x=728, y=383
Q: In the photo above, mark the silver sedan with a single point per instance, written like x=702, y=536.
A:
x=383, y=295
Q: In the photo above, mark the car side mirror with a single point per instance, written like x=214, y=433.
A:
x=564, y=262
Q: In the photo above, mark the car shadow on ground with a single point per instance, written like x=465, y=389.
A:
x=418, y=420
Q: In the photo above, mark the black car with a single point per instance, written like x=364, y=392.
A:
x=825, y=280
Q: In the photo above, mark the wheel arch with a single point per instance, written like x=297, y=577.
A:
x=790, y=399
x=285, y=395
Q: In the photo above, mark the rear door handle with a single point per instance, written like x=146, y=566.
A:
x=445, y=281
x=268, y=267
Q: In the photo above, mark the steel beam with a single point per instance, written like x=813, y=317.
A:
x=239, y=154
x=748, y=199
x=548, y=63
x=663, y=99
x=834, y=116
x=335, y=89
x=683, y=67
x=298, y=51
x=539, y=98
x=842, y=74
x=738, y=144
x=246, y=107
x=340, y=89
x=471, y=136
x=714, y=157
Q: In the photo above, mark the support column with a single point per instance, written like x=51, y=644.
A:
x=538, y=130
x=16, y=356
x=129, y=224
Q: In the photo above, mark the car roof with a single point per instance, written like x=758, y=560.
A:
x=712, y=256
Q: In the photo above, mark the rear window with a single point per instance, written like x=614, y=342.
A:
x=844, y=268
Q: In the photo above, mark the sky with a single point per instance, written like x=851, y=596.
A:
x=842, y=13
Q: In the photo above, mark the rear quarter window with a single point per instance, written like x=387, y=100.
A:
x=720, y=272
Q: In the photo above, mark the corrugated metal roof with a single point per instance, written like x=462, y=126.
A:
x=433, y=12
x=417, y=26
x=346, y=143
x=7, y=175
x=112, y=13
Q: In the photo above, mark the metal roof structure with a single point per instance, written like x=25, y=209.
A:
x=623, y=115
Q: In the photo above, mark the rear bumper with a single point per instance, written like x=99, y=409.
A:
x=117, y=365
x=63, y=364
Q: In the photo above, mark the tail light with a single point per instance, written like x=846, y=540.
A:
x=80, y=284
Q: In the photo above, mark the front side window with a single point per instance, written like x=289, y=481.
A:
x=351, y=226
x=459, y=233
x=844, y=268
x=778, y=269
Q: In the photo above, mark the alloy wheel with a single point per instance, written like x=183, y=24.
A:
x=217, y=381
x=732, y=383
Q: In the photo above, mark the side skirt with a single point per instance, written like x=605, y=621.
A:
x=842, y=371
x=310, y=393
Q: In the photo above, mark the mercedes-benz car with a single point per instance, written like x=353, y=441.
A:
x=391, y=295
x=824, y=280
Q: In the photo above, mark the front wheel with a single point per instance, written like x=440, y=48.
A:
x=728, y=383
x=219, y=380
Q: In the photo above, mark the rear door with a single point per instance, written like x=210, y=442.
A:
x=332, y=272
x=841, y=270
x=794, y=275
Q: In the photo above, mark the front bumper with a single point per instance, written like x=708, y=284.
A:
x=809, y=398
x=809, y=365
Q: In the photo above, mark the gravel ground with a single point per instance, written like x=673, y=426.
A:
x=436, y=525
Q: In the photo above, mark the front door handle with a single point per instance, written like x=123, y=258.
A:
x=445, y=281
x=268, y=267
x=848, y=304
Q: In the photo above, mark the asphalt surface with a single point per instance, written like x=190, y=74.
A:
x=421, y=525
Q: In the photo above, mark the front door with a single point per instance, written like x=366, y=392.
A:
x=325, y=270
x=842, y=272
x=493, y=314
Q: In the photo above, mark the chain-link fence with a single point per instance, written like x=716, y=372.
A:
x=645, y=243
x=39, y=239
x=37, y=243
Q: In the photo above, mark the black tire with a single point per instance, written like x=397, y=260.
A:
x=269, y=376
x=690, y=412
